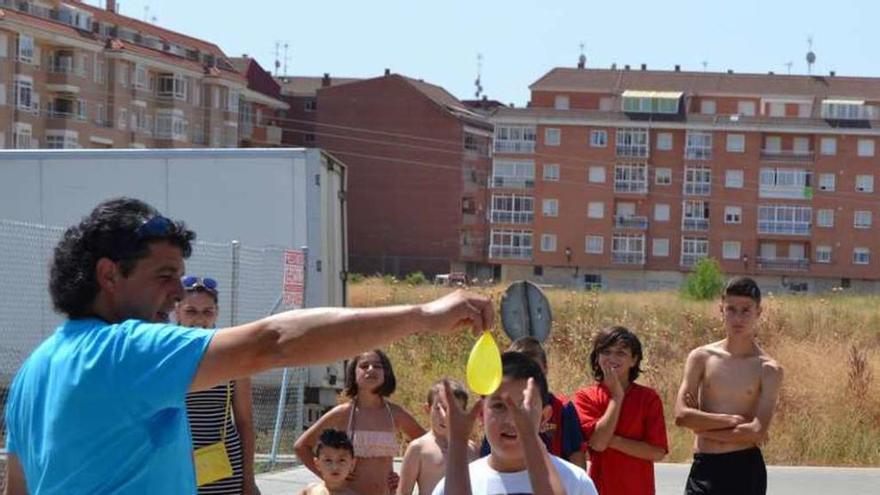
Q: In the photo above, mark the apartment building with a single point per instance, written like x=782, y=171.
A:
x=417, y=161
x=74, y=75
x=301, y=94
x=625, y=178
x=259, y=112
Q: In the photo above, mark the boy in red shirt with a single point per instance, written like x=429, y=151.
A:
x=621, y=420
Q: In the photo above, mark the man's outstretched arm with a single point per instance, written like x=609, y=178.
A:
x=313, y=336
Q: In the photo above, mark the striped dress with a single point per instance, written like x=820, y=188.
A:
x=205, y=410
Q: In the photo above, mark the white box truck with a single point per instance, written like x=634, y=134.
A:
x=266, y=200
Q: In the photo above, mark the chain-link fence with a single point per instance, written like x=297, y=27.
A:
x=250, y=287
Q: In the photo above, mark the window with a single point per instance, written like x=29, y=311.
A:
x=698, y=145
x=632, y=143
x=174, y=86
x=550, y=207
x=707, y=107
x=664, y=141
x=828, y=146
x=171, y=124
x=663, y=176
x=233, y=97
x=538, y=271
x=733, y=179
x=595, y=244
x=801, y=146
x=215, y=97
x=514, y=139
x=100, y=115
x=551, y=172
x=736, y=143
x=865, y=183
x=698, y=181
x=141, y=79
x=773, y=144
x=732, y=214
x=823, y=254
x=695, y=215
x=660, y=247
x=552, y=136
x=597, y=175
x=784, y=219
x=595, y=209
x=805, y=110
x=598, y=139
x=25, y=49
x=62, y=139
x=788, y=183
x=861, y=256
x=548, y=243
x=513, y=173
x=862, y=219
x=631, y=177
x=561, y=102
x=310, y=105
x=866, y=147
x=510, y=244
x=2, y=94
x=776, y=109
x=730, y=250
x=661, y=212
x=100, y=74
x=628, y=249
x=606, y=104
x=3, y=45
x=512, y=208
x=21, y=136
x=693, y=249
x=24, y=92
x=826, y=182
x=825, y=218
x=746, y=108
x=122, y=121
x=650, y=102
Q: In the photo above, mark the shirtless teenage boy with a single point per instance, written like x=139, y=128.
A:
x=727, y=398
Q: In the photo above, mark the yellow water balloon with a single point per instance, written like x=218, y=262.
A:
x=484, y=366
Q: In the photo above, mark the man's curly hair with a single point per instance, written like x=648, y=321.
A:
x=109, y=231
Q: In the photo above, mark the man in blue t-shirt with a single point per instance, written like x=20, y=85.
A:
x=99, y=407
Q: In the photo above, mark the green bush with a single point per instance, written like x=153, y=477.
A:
x=706, y=281
x=355, y=278
x=416, y=278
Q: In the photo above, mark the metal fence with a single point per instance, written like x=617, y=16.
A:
x=250, y=287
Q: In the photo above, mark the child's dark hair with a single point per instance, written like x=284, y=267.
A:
x=517, y=366
x=334, y=439
x=389, y=384
x=531, y=348
x=610, y=337
x=458, y=391
x=744, y=287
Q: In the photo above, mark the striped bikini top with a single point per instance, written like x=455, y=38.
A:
x=373, y=443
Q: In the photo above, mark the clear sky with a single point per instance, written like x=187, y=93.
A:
x=521, y=40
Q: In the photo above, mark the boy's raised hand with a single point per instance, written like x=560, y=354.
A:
x=610, y=379
x=528, y=413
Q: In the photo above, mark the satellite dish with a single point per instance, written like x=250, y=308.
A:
x=525, y=312
x=811, y=58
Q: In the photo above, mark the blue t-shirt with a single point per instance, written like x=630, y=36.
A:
x=101, y=408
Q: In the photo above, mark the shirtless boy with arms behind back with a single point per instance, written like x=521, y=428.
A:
x=727, y=398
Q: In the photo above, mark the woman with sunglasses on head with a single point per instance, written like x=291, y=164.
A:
x=222, y=414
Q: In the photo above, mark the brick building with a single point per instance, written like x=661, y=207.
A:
x=73, y=75
x=261, y=103
x=301, y=94
x=625, y=178
x=417, y=162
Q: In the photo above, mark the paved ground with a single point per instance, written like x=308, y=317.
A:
x=670, y=480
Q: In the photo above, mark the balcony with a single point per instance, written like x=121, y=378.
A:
x=514, y=146
x=784, y=228
x=785, y=192
x=500, y=182
x=510, y=252
x=513, y=217
x=631, y=186
x=697, y=189
x=630, y=222
x=60, y=114
x=632, y=151
x=698, y=153
x=689, y=260
x=695, y=224
x=788, y=156
x=628, y=258
x=784, y=264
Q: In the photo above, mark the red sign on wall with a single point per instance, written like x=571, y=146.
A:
x=294, y=277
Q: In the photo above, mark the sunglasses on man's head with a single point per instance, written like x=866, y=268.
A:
x=191, y=282
x=158, y=226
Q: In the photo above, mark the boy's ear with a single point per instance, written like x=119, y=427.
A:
x=546, y=413
x=427, y=409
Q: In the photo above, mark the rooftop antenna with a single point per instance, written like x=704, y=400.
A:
x=286, y=58
x=811, y=56
x=705, y=64
x=277, y=57
x=788, y=65
x=146, y=13
x=478, y=83
x=582, y=59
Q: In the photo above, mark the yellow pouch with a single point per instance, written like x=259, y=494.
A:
x=212, y=461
